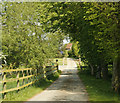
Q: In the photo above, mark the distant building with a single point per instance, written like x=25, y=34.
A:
x=69, y=46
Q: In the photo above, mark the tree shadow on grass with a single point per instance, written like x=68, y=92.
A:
x=99, y=90
x=45, y=82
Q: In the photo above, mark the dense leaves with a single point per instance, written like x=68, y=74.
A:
x=30, y=30
x=95, y=26
x=23, y=40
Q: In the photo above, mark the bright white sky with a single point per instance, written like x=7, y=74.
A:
x=66, y=41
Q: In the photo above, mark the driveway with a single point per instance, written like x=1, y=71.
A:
x=67, y=88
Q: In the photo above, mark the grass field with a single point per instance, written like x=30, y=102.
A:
x=28, y=92
x=98, y=89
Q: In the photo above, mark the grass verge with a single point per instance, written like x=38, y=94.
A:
x=98, y=89
x=28, y=92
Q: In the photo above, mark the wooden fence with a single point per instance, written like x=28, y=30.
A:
x=23, y=77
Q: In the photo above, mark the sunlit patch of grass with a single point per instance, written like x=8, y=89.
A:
x=61, y=61
x=98, y=89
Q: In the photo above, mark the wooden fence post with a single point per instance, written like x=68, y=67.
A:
x=44, y=71
x=18, y=82
x=27, y=75
x=31, y=77
x=25, y=72
x=4, y=85
x=38, y=76
x=36, y=73
x=23, y=81
x=57, y=64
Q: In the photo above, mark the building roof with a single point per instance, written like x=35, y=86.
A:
x=69, y=46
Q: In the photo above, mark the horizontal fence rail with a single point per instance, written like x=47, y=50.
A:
x=21, y=78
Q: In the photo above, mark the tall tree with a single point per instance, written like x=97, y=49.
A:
x=95, y=26
x=23, y=39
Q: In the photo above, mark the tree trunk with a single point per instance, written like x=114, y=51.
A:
x=98, y=73
x=116, y=74
x=80, y=64
x=92, y=70
x=105, y=72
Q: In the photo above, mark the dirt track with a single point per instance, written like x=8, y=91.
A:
x=67, y=88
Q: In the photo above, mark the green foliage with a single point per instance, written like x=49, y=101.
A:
x=88, y=23
x=66, y=53
x=74, y=52
x=76, y=49
x=70, y=53
x=94, y=25
x=23, y=39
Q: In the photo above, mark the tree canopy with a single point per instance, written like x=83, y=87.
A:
x=95, y=26
x=23, y=39
x=33, y=33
